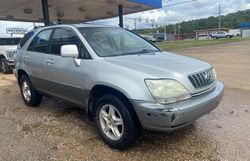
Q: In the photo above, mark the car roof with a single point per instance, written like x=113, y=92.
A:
x=90, y=25
x=74, y=25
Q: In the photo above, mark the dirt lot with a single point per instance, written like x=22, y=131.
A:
x=59, y=131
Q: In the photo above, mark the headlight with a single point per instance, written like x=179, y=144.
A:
x=10, y=54
x=215, y=74
x=167, y=91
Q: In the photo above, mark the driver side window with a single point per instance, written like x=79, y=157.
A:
x=64, y=36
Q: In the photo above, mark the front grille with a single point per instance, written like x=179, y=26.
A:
x=202, y=79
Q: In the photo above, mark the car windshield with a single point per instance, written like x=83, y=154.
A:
x=9, y=41
x=111, y=41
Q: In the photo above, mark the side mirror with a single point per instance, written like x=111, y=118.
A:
x=69, y=51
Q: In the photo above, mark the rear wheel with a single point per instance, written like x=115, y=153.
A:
x=115, y=124
x=30, y=96
x=4, y=66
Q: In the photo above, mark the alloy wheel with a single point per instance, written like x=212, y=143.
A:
x=26, y=91
x=111, y=122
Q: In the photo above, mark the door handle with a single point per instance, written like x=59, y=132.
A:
x=50, y=62
x=26, y=58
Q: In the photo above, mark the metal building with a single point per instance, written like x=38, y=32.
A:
x=245, y=29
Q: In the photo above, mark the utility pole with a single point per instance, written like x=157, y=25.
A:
x=165, y=32
x=125, y=21
x=179, y=28
x=135, y=23
x=219, y=17
x=136, y=20
x=174, y=29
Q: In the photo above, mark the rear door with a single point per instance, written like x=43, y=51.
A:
x=65, y=78
x=34, y=58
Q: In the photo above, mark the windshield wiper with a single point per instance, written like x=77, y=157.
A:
x=144, y=51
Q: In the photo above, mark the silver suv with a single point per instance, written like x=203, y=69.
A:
x=123, y=82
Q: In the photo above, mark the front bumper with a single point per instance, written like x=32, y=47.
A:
x=153, y=116
x=11, y=63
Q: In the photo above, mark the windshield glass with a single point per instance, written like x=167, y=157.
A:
x=111, y=41
x=9, y=41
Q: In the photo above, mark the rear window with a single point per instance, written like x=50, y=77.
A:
x=9, y=41
x=26, y=38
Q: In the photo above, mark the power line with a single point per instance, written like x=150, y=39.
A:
x=180, y=3
x=165, y=1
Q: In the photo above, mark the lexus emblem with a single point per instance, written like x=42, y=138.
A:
x=207, y=76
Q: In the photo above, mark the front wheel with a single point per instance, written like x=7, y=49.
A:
x=29, y=94
x=4, y=67
x=115, y=124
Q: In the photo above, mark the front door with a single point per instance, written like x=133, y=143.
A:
x=64, y=74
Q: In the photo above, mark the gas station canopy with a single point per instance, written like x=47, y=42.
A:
x=69, y=11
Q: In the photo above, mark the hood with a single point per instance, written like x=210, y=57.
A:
x=8, y=47
x=160, y=64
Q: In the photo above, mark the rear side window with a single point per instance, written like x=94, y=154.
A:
x=26, y=38
x=63, y=36
x=41, y=42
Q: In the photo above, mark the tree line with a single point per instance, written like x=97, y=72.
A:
x=231, y=21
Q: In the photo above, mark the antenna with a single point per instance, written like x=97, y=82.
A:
x=219, y=17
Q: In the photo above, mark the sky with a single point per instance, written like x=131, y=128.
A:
x=167, y=15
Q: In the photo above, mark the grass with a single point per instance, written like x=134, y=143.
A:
x=171, y=45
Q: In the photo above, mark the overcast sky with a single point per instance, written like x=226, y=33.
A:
x=166, y=15
x=188, y=11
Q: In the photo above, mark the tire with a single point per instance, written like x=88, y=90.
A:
x=29, y=94
x=127, y=131
x=228, y=37
x=5, y=67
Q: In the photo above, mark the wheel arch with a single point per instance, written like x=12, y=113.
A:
x=2, y=56
x=99, y=90
x=20, y=73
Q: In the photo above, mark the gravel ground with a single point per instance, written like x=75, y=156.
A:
x=59, y=131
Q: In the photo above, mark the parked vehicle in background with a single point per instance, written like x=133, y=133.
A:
x=221, y=34
x=123, y=82
x=149, y=38
x=159, y=37
x=154, y=37
x=8, y=46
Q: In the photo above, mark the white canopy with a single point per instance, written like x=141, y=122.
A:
x=71, y=10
